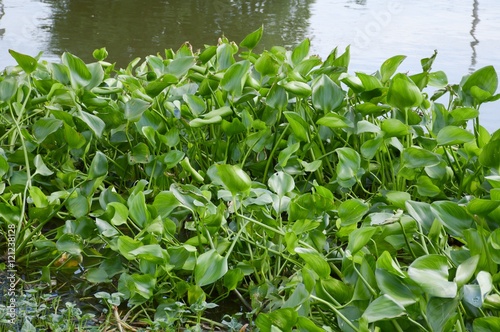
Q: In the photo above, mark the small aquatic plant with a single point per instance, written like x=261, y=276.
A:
x=308, y=197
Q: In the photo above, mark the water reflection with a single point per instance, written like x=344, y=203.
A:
x=81, y=26
x=475, y=41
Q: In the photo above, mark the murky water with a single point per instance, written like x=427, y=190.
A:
x=464, y=32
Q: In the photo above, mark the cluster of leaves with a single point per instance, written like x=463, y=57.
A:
x=318, y=199
x=36, y=308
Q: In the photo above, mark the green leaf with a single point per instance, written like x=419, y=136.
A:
x=118, y=213
x=383, y=307
x=152, y=252
x=266, y=65
x=100, y=54
x=281, y=183
x=333, y=288
x=364, y=126
x=79, y=73
x=398, y=198
x=26, y=62
x=105, y=228
x=97, y=276
x=388, y=263
x=138, y=210
x=97, y=75
x=126, y=245
x=494, y=181
x=399, y=289
x=333, y=120
x=369, y=82
x=466, y=270
x=44, y=127
x=359, y=238
x=367, y=108
x=38, y=197
x=134, y=108
x=232, y=278
x=178, y=68
x=431, y=273
x=482, y=207
x=312, y=166
x=225, y=56
x=139, y=155
x=352, y=211
x=494, y=243
x=195, y=103
x=199, y=122
x=94, y=123
x=485, y=78
x=299, y=126
x=416, y=157
x=210, y=267
x=74, y=139
x=390, y=66
x=234, y=127
x=99, y=166
x=463, y=114
x=370, y=147
x=476, y=244
x=453, y=217
x=41, y=168
x=300, y=51
x=438, y=79
x=490, y=156
x=348, y=166
x=485, y=282
x=4, y=166
x=8, y=88
x=70, y=243
x=252, y=39
x=235, y=76
x=394, y=128
x=326, y=95
x=196, y=295
x=234, y=178
x=78, y=205
x=287, y=153
x=155, y=87
x=299, y=296
x=27, y=326
x=452, y=135
x=304, y=324
x=283, y=319
x=486, y=324
x=425, y=187
x=182, y=257
x=172, y=158
x=277, y=97
x=138, y=287
x=422, y=213
x=219, y=112
x=403, y=93
x=300, y=89
x=442, y=313
x=315, y=261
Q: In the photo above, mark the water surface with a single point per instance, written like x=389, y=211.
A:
x=465, y=33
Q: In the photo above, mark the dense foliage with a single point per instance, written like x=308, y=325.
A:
x=213, y=189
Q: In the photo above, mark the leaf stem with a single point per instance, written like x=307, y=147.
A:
x=336, y=311
x=273, y=151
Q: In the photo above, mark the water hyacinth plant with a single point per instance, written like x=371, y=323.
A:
x=224, y=189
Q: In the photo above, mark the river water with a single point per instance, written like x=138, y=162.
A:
x=465, y=33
